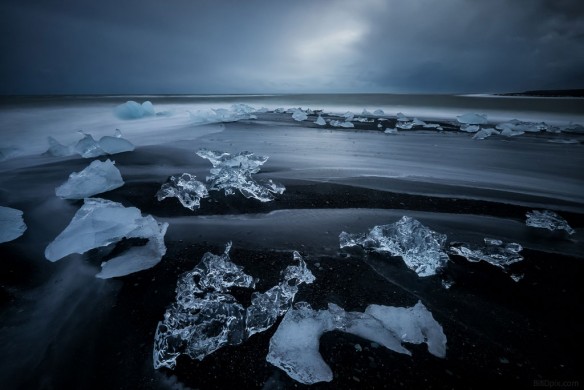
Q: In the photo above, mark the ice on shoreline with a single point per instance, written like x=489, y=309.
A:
x=547, y=219
x=299, y=115
x=184, y=187
x=294, y=348
x=88, y=147
x=234, y=172
x=206, y=317
x=485, y=133
x=235, y=113
x=12, y=224
x=320, y=121
x=99, y=223
x=134, y=110
x=98, y=177
x=345, y=124
x=494, y=252
x=420, y=247
x=472, y=119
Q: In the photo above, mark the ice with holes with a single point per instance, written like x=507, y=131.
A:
x=495, y=252
x=294, y=348
x=547, y=219
x=186, y=188
x=101, y=222
x=420, y=247
x=206, y=317
x=98, y=177
x=234, y=172
x=12, y=224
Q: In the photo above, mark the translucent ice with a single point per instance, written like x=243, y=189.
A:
x=234, y=172
x=517, y=126
x=12, y=225
x=267, y=307
x=134, y=110
x=472, y=119
x=366, y=113
x=402, y=118
x=420, y=247
x=184, y=187
x=101, y=222
x=98, y=177
x=511, y=133
x=88, y=147
x=320, y=121
x=378, y=112
x=294, y=346
x=299, y=116
x=348, y=116
x=494, y=252
x=345, y=124
x=206, y=317
x=485, y=133
x=235, y=113
x=547, y=219
x=469, y=128
x=390, y=131
x=403, y=122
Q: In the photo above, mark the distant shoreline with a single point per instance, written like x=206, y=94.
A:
x=579, y=93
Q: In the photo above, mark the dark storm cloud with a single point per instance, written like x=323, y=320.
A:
x=188, y=46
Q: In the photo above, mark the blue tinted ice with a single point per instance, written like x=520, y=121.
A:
x=184, y=187
x=98, y=177
x=215, y=115
x=472, y=119
x=12, y=225
x=547, y=219
x=134, y=110
x=99, y=223
x=88, y=147
x=234, y=172
x=207, y=317
x=420, y=247
x=294, y=346
x=299, y=115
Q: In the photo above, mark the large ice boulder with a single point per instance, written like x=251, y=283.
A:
x=12, y=224
x=134, y=110
x=98, y=177
x=99, y=223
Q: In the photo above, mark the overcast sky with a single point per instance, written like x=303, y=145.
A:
x=295, y=46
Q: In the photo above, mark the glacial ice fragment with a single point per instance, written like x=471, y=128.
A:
x=469, y=128
x=205, y=317
x=299, y=116
x=88, y=147
x=294, y=346
x=235, y=113
x=100, y=222
x=378, y=112
x=12, y=224
x=547, y=219
x=98, y=177
x=485, y=133
x=134, y=110
x=390, y=131
x=184, y=187
x=345, y=124
x=402, y=118
x=494, y=252
x=419, y=246
x=472, y=119
x=320, y=121
x=349, y=116
x=515, y=126
x=268, y=306
x=233, y=172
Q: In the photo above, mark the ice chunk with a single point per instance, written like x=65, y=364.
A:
x=378, y=112
x=88, y=147
x=320, y=121
x=348, y=116
x=233, y=172
x=184, y=187
x=494, y=252
x=346, y=124
x=469, y=128
x=420, y=247
x=267, y=307
x=472, y=119
x=402, y=118
x=404, y=125
x=206, y=317
x=100, y=222
x=134, y=110
x=390, y=131
x=366, y=113
x=299, y=116
x=517, y=126
x=98, y=177
x=418, y=122
x=294, y=346
x=12, y=224
x=547, y=219
x=485, y=133
x=511, y=133
x=235, y=113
